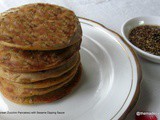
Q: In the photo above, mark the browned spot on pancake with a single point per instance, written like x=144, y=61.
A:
x=9, y=89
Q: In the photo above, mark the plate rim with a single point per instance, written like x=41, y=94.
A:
x=138, y=66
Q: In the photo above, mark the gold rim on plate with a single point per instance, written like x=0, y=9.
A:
x=139, y=70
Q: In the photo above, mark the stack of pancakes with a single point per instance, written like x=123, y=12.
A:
x=39, y=53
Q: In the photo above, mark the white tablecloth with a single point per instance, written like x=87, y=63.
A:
x=112, y=14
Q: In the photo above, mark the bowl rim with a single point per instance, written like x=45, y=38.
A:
x=132, y=45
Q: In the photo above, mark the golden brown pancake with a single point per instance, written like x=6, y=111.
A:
x=27, y=92
x=41, y=75
x=31, y=61
x=49, y=97
x=21, y=91
x=39, y=26
x=12, y=86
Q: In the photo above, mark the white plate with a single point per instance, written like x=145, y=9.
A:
x=109, y=86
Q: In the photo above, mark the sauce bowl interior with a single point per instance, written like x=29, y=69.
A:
x=134, y=22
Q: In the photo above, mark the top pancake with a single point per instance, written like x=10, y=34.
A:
x=39, y=27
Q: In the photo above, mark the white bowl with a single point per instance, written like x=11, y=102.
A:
x=134, y=22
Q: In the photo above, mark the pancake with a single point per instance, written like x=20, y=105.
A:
x=21, y=91
x=41, y=75
x=31, y=61
x=39, y=26
x=49, y=97
x=12, y=86
x=24, y=92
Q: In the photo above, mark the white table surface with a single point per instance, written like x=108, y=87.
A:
x=112, y=14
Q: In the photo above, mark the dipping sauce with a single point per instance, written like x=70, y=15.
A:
x=147, y=38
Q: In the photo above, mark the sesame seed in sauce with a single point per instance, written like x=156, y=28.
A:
x=147, y=38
